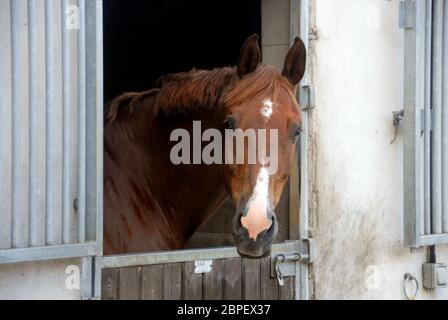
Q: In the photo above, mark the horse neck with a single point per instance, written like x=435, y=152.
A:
x=184, y=196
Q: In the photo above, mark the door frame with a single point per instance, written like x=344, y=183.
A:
x=92, y=266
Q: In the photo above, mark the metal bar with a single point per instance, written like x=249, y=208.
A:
x=304, y=148
x=432, y=239
x=70, y=116
x=436, y=103
x=81, y=203
x=66, y=129
x=48, y=253
x=417, y=90
x=302, y=288
x=54, y=122
x=87, y=275
x=20, y=124
x=72, y=16
x=407, y=14
x=97, y=275
x=427, y=108
x=5, y=126
x=94, y=132
x=130, y=260
x=413, y=102
x=445, y=122
x=99, y=125
x=294, y=177
x=36, y=20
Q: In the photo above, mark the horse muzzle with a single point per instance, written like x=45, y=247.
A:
x=249, y=247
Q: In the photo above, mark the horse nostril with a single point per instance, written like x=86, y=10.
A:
x=272, y=222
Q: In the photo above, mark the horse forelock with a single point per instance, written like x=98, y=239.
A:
x=265, y=80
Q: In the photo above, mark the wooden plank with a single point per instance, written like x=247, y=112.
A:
x=286, y=292
x=172, y=280
x=269, y=285
x=152, y=282
x=129, y=283
x=213, y=282
x=251, y=279
x=109, y=286
x=191, y=282
x=232, y=279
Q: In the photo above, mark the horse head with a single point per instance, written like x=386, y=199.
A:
x=261, y=103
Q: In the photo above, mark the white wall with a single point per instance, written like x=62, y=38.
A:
x=40, y=280
x=357, y=206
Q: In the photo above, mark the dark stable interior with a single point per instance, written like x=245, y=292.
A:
x=144, y=40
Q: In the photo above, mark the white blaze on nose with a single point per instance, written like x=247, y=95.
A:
x=256, y=219
x=266, y=111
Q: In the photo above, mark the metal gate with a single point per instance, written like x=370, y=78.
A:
x=205, y=274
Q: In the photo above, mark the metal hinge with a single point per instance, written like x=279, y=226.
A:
x=407, y=14
x=423, y=121
x=306, y=95
x=284, y=264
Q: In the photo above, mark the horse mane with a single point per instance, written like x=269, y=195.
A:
x=190, y=91
x=126, y=101
x=186, y=92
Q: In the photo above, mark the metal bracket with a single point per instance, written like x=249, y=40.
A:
x=284, y=264
x=306, y=95
x=203, y=266
x=397, y=117
x=435, y=275
x=407, y=14
x=424, y=127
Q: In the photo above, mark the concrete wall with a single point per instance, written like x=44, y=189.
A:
x=357, y=209
x=57, y=279
x=275, y=30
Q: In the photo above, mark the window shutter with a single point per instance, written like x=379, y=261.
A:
x=50, y=129
x=425, y=25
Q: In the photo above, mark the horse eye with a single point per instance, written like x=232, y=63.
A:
x=296, y=134
x=230, y=123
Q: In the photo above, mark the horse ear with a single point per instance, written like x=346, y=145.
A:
x=295, y=62
x=250, y=56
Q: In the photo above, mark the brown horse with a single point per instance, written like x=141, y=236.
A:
x=152, y=204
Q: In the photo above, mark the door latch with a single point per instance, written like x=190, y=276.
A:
x=284, y=264
x=282, y=268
